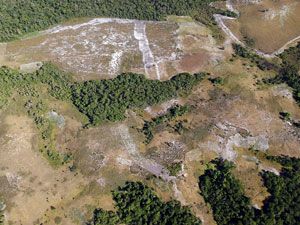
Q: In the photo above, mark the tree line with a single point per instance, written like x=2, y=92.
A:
x=107, y=100
x=19, y=17
x=99, y=100
x=229, y=204
x=137, y=204
x=287, y=71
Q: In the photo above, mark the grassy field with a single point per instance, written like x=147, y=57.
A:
x=231, y=114
x=258, y=23
x=104, y=157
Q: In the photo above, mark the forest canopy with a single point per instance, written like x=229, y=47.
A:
x=19, y=17
x=137, y=204
x=108, y=99
x=100, y=100
x=229, y=204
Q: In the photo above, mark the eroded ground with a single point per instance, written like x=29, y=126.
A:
x=104, y=48
x=237, y=120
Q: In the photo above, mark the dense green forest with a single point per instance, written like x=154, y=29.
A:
x=19, y=17
x=230, y=205
x=137, y=204
x=283, y=205
x=105, y=100
x=108, y=99
x=225, y=195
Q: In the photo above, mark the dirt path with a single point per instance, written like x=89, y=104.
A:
x=287, y=45
x=178, y=194
x=147, y=164
x=148, y=58
x=220, y=21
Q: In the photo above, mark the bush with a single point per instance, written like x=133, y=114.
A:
x=174, y=168
x=1, y=218
x=217, y=80
x=291, y=56
x=172, y=113
x=286, y=116
x=102, y=217
x=261, y=62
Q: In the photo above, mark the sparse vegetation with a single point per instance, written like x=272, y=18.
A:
x=24, y=85
x=261, y=62
x=249, y=41
x=105, y=100
x=107, y=156
x=137, y=204
x=172, y=113
x=37, y=111
x=288, y=71
x=179, y=127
